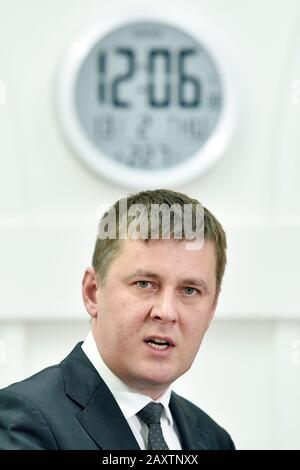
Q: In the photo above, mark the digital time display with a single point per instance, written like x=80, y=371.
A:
x=148, y=95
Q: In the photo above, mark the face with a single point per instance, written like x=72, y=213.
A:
x=150, y=315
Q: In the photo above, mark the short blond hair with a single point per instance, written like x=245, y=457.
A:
x=106, y=249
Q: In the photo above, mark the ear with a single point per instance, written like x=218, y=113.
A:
x=89, y=290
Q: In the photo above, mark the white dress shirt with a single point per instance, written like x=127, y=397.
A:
x=131, y=402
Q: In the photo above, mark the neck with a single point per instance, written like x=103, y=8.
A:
x=154, y=391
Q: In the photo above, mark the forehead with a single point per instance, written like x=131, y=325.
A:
x=166, y=257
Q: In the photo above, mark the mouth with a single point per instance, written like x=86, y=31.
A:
x=160, y=343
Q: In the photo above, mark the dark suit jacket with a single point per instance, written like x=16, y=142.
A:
x=68, y=406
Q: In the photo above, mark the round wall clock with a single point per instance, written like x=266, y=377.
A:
x=146, y=103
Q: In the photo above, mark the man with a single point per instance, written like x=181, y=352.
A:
x=151, y=292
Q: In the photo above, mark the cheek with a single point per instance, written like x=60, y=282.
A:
x=195, y=328
x=122, y=321
x=193, y=342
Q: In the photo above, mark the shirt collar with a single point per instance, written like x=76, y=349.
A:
x=129, y=400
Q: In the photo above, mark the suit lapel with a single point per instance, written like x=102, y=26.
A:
x=105, y=423
x=192, y=437
x=101, y=416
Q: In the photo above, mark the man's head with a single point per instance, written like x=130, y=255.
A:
x=142, y=292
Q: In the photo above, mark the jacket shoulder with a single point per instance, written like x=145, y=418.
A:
x=23, y=424
x=38, y=385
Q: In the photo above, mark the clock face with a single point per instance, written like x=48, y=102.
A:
x=148, y=95
x=146, y=103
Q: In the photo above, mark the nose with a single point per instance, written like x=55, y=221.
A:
x=164, y=308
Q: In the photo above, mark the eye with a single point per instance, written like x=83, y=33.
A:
x=144, y=284
x=191, y=291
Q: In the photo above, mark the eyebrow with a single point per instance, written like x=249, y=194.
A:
x=141, y=272
x=192, y=281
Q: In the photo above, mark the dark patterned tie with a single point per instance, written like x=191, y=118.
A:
x=150, y=414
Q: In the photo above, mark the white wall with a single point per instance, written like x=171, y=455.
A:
x=247, y=373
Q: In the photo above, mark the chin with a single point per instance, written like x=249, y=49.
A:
x=158, y=378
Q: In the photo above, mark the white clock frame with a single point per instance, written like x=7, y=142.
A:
x=213, y=149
